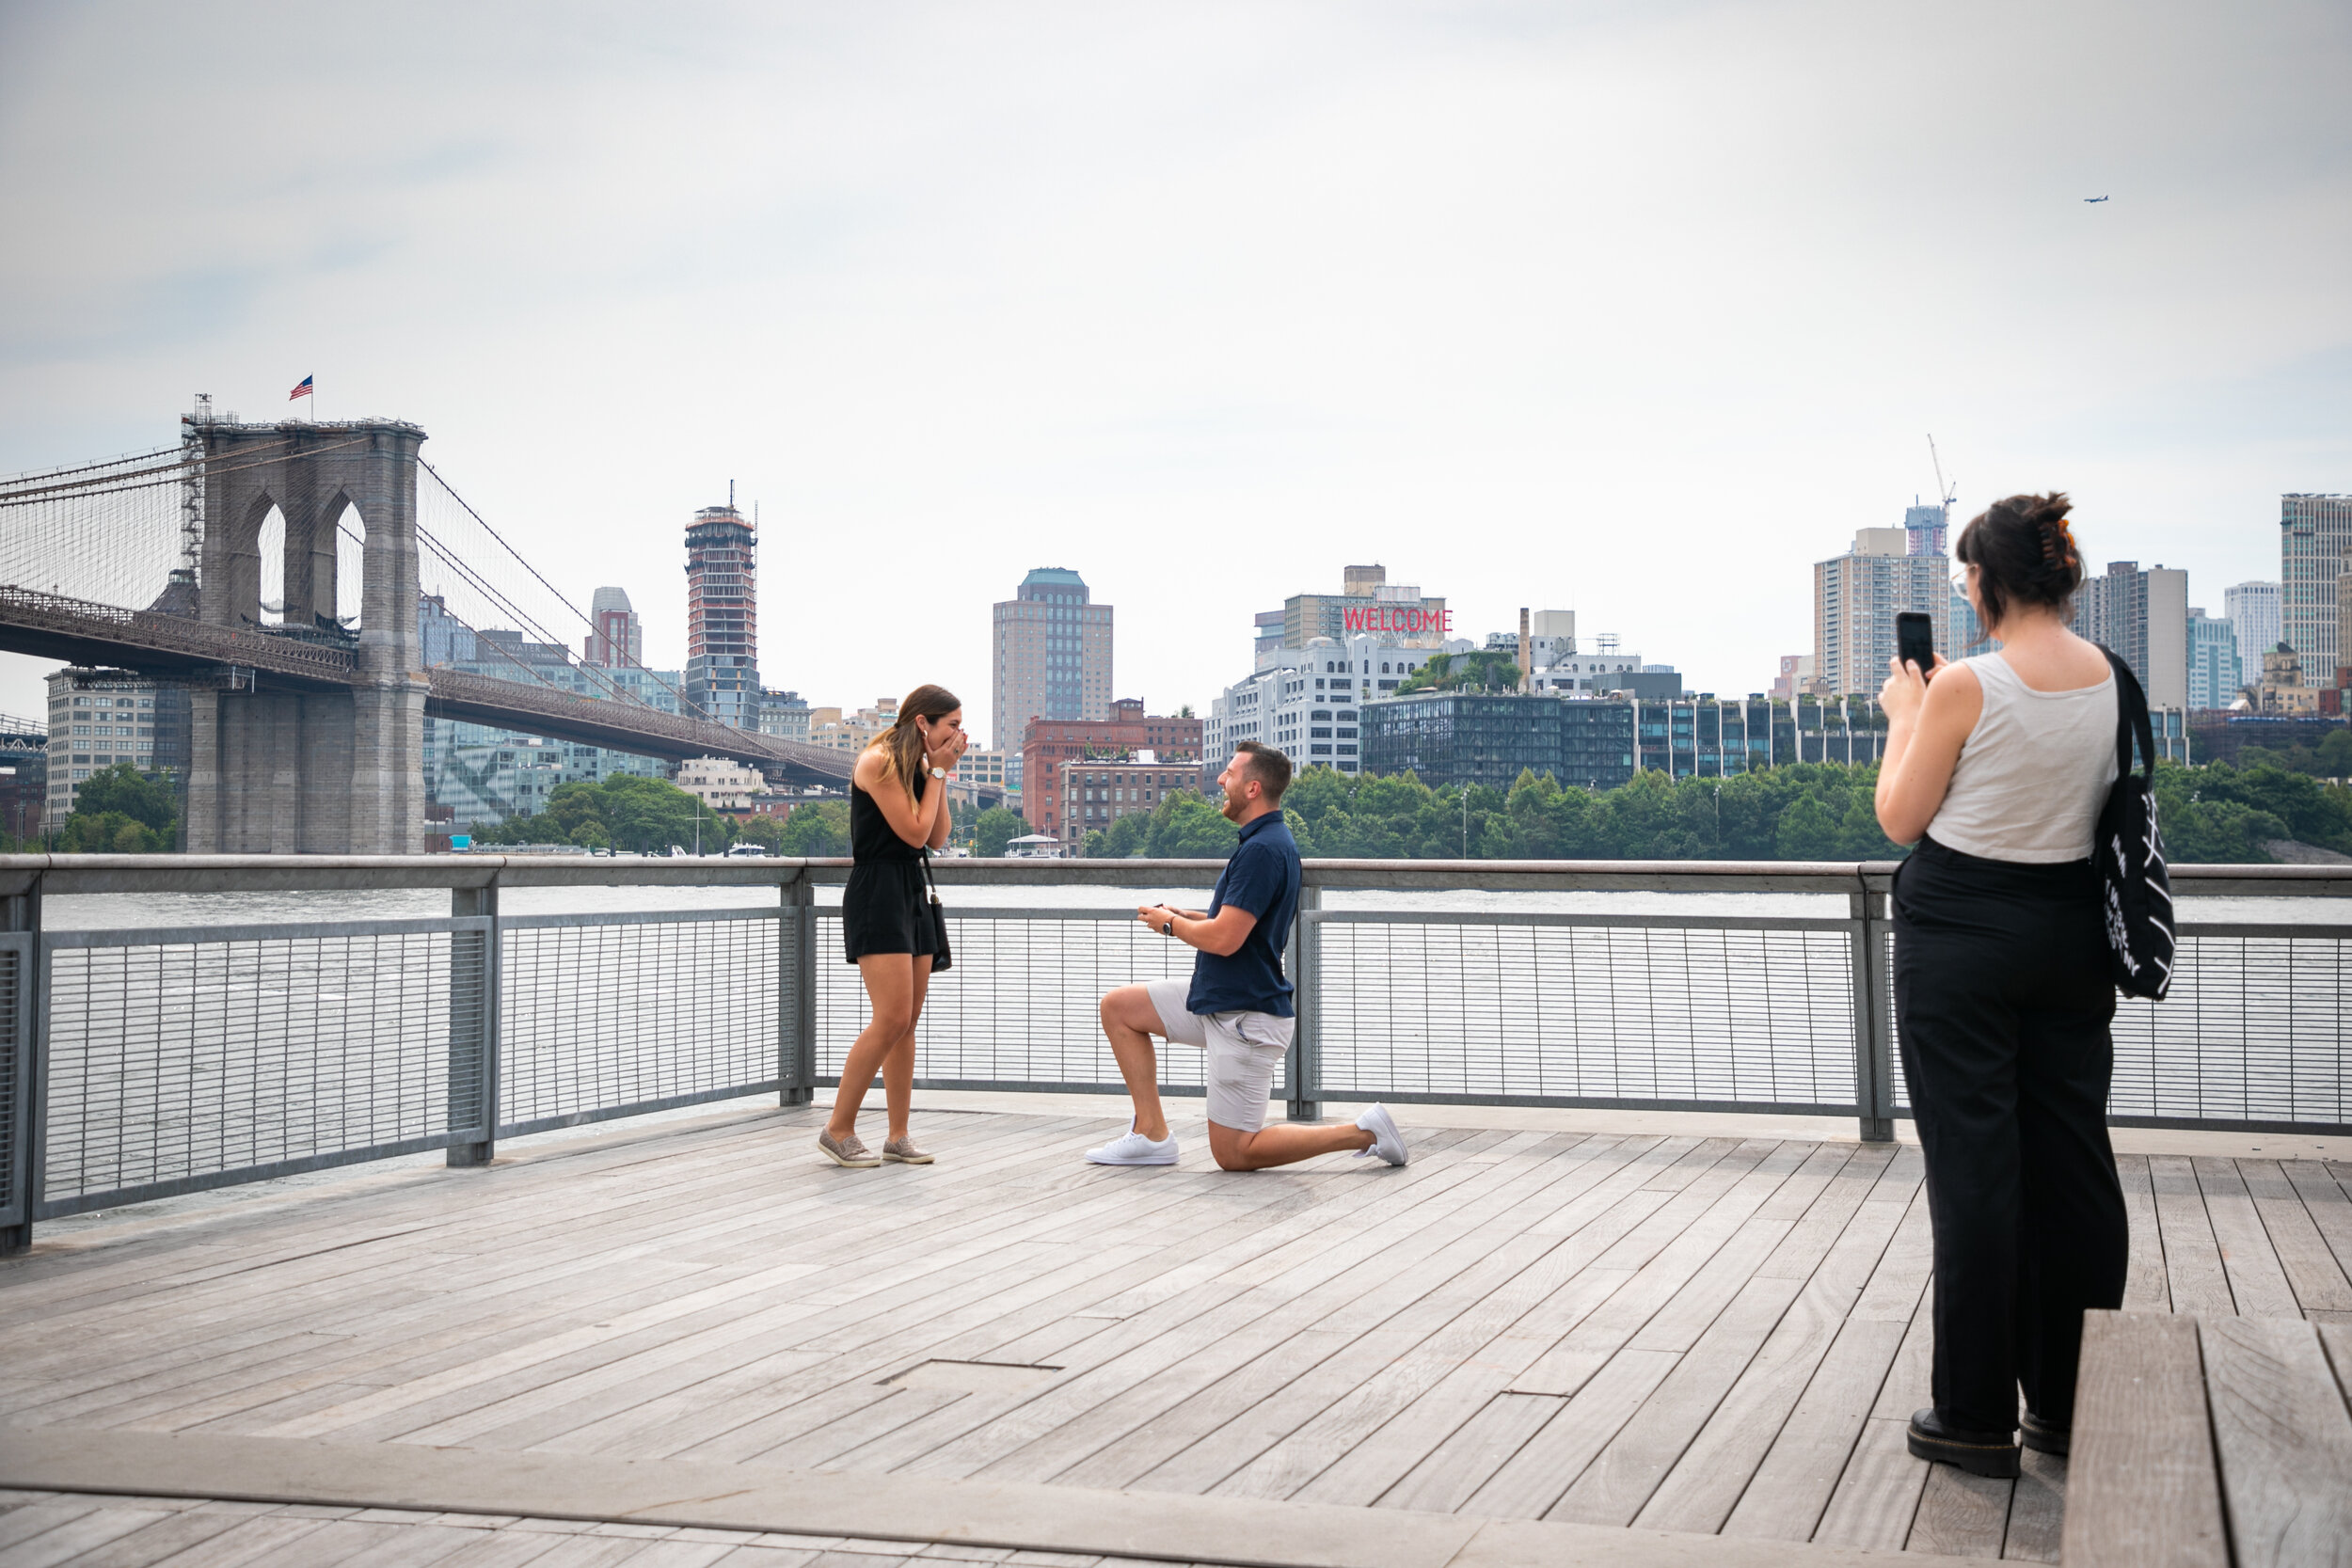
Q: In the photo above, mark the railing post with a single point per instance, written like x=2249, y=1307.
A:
x=1306, y=1074
x=473, y=1025
x=795, y=994
x=22, y=1071
x=1874, y=1015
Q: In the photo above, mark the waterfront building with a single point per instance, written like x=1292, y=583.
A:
x=2314, y=531
x=720, y=783
x=1127, y=733
x=2143, y=617
x=1053, y=656
x=722, y=618
x=619, y=635
x=1856, y=598
x=2213, y=666
x=1304, y=701
x=785, y=715
x=101, y=718
x=2252, y=610
x=2281, y=690
x=1096, y=792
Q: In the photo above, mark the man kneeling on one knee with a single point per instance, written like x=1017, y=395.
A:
x=1237, y=1006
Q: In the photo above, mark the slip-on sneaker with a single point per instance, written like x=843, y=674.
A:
x=1387, y=1142
x=1979, y=1453
x=1133, y=1148
x=849, y=1151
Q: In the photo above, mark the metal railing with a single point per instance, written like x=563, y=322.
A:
x=142, y=1062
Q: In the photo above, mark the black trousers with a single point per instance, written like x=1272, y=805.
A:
x=2002, y=1004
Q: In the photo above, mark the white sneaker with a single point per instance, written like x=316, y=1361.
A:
x=1387, y=1142
x=1134, y=1148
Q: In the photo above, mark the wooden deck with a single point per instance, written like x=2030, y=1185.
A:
x=1676, y=1333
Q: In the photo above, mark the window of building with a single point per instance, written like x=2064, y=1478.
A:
x=1319, y=751
x=1347, y=751
x=1322, y=713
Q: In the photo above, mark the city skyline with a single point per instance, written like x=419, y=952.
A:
x=1222, y=295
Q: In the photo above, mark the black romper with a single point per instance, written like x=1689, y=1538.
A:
x=886, y=908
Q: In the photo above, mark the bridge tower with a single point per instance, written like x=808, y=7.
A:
x=274, y=769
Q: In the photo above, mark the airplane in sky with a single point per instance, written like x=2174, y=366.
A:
x=2095, y=199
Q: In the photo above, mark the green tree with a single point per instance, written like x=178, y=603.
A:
x=817, y=829
x=995, y=828
x=110, y=833
x=123, y=789
x=1185, y=826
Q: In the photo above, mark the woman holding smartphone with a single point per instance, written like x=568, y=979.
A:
x=897, y=812
x=1997, y=769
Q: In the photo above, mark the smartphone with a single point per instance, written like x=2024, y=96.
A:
x=1914, y=640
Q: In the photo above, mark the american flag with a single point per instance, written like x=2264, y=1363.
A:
x=303, y=390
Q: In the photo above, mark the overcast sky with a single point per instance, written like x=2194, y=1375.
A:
x=1634, y=310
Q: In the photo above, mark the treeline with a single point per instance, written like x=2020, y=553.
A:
x=118, y=811
x=1802, y=812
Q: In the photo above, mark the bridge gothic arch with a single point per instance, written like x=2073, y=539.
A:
x=289, y=770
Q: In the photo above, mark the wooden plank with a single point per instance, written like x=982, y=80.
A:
x=1785, y=1496
x=2257, y=1282
x=1444, y=1481
x=1621, y=1478
x=1261, y=1392
x=1878, y=1495
x=159, y=1541
x=1549, y=1464
x=2192, y=1258
x=2145, y=1286
x=2037, y=1511
x=1960, y=1514
x=2319, y=1282
x=2327, y=1204
x=2284, y=1442
x=2141, y=1490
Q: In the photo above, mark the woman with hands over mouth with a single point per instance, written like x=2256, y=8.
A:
x=1996, y=769
x=897, y=812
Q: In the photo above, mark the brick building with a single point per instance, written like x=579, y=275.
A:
x=1046, y=744
x=1093, y=795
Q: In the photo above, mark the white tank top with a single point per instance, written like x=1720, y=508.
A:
x=2033, y=774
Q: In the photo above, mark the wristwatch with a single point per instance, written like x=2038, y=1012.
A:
x=939, y=773
x=1168, y=928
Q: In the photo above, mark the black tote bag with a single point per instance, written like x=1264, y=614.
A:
x=2135, y=891
x=941, y=959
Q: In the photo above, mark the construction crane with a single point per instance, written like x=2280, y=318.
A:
x=1944, y=494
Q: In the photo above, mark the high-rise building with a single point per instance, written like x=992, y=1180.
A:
x=2344, y=620
x=1927, y=526
x=2252, y=610
x=722, y=618
x=1053, y=656
x=2213, y=663
x=2142, y=616
x=2313, y=531
x=619, y=637
x=783, y=714
x=1967, y=627
x=1856, y=598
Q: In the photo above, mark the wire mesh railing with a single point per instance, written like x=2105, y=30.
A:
x=142, y=1063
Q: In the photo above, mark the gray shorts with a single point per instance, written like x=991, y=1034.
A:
x=1245, y=1051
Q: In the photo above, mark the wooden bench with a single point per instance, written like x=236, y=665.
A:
x=2208, y=1443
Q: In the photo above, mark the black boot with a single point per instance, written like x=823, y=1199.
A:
x=1979, y=1453
x=2043, y=1437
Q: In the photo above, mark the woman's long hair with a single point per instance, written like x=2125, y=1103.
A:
x=902, y=744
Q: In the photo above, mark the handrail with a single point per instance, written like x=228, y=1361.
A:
x=84, y=874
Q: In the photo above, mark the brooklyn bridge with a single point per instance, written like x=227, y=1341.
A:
x=277, y=571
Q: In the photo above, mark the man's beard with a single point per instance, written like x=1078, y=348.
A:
x=1230, y=809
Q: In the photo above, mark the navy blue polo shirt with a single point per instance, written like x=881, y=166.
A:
x=1262, y=878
